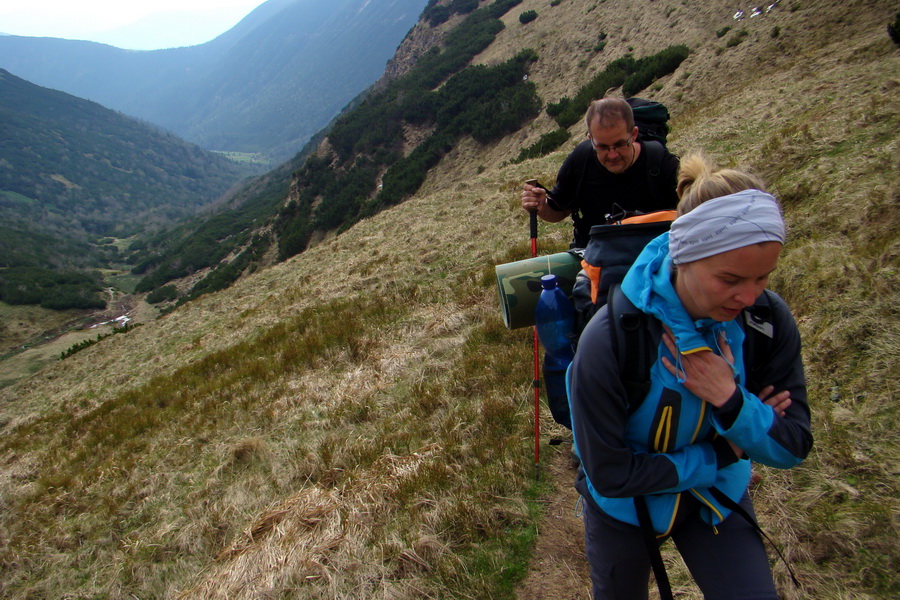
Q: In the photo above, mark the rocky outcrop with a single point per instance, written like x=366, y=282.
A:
x=421, y=38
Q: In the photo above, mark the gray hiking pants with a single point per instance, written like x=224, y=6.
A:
x=728, y=562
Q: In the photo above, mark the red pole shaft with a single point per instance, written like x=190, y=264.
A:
x=537, y=368
x=537, y=407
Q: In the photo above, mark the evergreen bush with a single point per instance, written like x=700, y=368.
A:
x=631, y=74
x=55, y=290
x=736, y=38
x=166, y=293
x=546, y=144
x=528, y=16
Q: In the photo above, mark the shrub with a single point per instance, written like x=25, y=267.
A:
x=736, y=38
x=723, y=31
x=894, y=29
x=555, y=2
x=556, y=108
x=633, y=75
x=463, y=7
x=164, y=294
x=438, y=15
x=528, y=16
x=89, y=342
x=546, y=143
x=653, y=67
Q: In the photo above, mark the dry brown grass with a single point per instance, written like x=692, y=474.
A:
x=229, y=449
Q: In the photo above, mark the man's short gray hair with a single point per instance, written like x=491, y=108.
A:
x=610, y=111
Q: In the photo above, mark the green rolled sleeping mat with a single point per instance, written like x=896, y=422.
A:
x=519, y=284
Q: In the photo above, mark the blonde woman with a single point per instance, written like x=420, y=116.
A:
x=682, y=455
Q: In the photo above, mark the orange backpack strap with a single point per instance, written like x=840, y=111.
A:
x=593, y=274
x=654, y=217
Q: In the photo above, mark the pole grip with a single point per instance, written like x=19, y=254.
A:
x=533, y=213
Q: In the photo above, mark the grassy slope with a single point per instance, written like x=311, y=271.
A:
x=355, y=422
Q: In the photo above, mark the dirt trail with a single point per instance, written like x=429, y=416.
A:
x=558, y=569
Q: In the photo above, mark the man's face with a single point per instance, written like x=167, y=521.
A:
x=614, y=145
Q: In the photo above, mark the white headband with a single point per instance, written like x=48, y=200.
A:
x=727, y=223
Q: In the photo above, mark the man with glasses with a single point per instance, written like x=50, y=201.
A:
x=609, y=172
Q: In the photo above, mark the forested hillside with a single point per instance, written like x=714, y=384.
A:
x=77, y=169
x=75, y=175
x=357, y=422
x=371, y=164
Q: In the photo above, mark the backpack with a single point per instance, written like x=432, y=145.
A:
x=610, y=252
x=651, y=118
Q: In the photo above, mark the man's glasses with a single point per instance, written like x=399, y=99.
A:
x=604, y=149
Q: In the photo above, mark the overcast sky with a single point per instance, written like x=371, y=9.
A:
x=132, y=24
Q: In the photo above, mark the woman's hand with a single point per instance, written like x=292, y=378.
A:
x=779, y=402
x=706, y=374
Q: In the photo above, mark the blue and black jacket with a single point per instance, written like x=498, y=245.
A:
x=673, y=443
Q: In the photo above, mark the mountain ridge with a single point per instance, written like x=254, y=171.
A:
x=157, y=86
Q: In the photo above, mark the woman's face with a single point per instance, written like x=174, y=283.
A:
x=720, y=286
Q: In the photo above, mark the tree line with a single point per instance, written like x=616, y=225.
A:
x=57, y=290
x=633, y=75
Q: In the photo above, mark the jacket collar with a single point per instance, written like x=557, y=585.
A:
x=648, y=285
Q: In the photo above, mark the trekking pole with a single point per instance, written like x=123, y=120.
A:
x=536, y=382
x=537, y=367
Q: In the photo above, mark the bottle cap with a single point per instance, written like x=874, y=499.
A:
x=548, y=282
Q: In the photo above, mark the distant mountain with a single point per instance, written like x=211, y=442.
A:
x=265, y=86
x=72, y=171
x=375, y=154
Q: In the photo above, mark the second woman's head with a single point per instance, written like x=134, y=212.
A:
x=726, y=240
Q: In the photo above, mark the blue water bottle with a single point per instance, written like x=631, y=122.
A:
x=554, y=318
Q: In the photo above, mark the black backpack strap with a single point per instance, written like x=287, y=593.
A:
x=636, y=337
x=656, y=561
x=759, y=339
x=579, y=235
x=727, y=502
x=655, y=154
